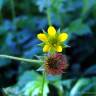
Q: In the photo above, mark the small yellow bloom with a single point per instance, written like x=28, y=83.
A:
x=52, y=40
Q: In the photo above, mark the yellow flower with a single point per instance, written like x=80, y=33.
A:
x=53, y=40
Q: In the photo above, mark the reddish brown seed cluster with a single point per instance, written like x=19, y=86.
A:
x=56, y=64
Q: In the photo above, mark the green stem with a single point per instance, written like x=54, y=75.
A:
x=44, y=75
x=48, y=16
x=13, y=11
x=60, y=92
x=27, y=7
x=1, y=17
x=21, y=59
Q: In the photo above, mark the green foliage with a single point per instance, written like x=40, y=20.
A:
x=30, y=84
x=88, y=6
x=84, y=87
x=80, y=30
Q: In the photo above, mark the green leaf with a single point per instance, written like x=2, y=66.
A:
x=33, y=88
x=87, y=5
x=41, y=68
x=78, y=27
x=28, y=76
x=41, y=44
x=79, y=86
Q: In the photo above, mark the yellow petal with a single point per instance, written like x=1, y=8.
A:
x=46, y=48
x=51, y=31
x=58, y=48
x=42, y=37
x=62, y=37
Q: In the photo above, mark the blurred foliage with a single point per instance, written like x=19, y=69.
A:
x=27, y=85
x=21, y=20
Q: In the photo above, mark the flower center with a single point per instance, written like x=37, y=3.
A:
x=53, y=63
x=53, y=42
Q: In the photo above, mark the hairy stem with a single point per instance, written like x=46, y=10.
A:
x=1, y=17
x=42, y=90
x=21, y=59
x=48, y=16
x=13, y=12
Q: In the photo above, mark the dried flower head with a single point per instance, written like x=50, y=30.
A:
x=56, y=64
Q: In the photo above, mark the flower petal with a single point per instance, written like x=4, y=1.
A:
x=46, y=48
x=42, y=37
x=62, y=37
x=51, y=31
x=58, y=48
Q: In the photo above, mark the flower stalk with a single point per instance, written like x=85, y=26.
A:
x=43, y=82
x=21, y=59
x=1, y=17
x=12, y=9
x=48, y=17
x=13, y=12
